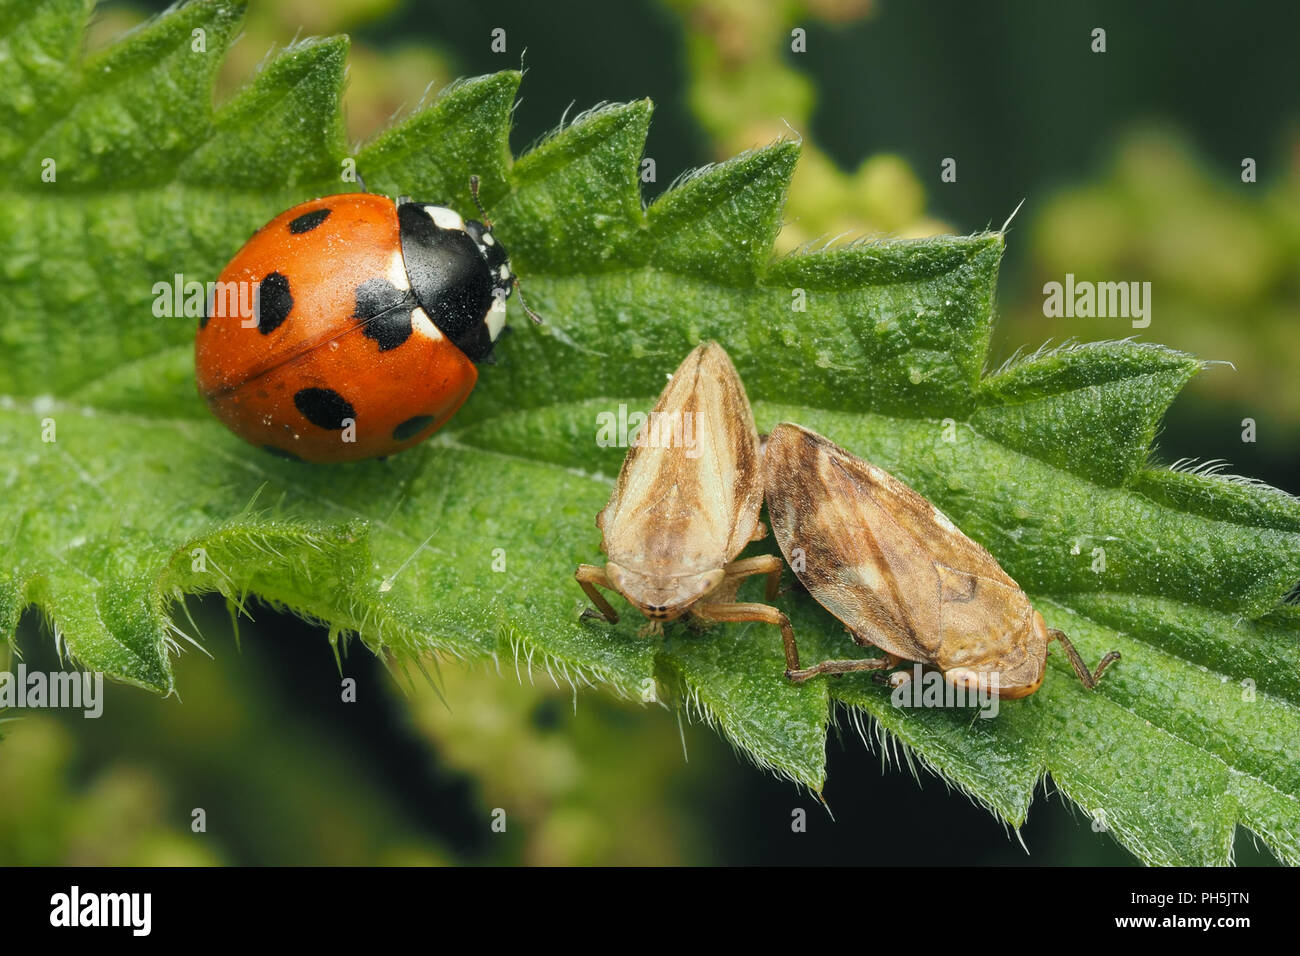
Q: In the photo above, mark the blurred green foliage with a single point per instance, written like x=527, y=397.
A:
x=121, y=816
x=1222, y=257
x=275, y=786
x=590, y=781
x=744, y=93
x=381, y=82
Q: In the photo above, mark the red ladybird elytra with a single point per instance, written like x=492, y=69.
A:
x=370, y=316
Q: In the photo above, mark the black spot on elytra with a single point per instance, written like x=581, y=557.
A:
x=323, y=407
x=208, y=303
x=273, y=303
x=386, y=310
x=308, y=221
x=281, y=453
x=412, y=427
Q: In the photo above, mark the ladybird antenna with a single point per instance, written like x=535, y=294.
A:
x=473, y=191
x=537, y=319
x=360, y=182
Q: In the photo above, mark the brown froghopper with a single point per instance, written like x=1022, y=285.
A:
x=899, y=573
x=686, y=502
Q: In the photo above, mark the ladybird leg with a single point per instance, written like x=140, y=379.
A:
x=768, y=564
x=589, y=577
x=1087, y=678
x=760, y=532
x=763, y=613
x=537, y=319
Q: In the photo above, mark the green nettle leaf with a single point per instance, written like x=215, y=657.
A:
x=142, y=497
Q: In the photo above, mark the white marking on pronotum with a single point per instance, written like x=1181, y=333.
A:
x=397, y=271
x=496, y=317
x=445, y=218
x=488, y=240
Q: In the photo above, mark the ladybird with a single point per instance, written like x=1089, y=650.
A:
x=351, y=326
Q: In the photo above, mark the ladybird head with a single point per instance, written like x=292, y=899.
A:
x=503, y=279
x=459, y=274
x=495, y=255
